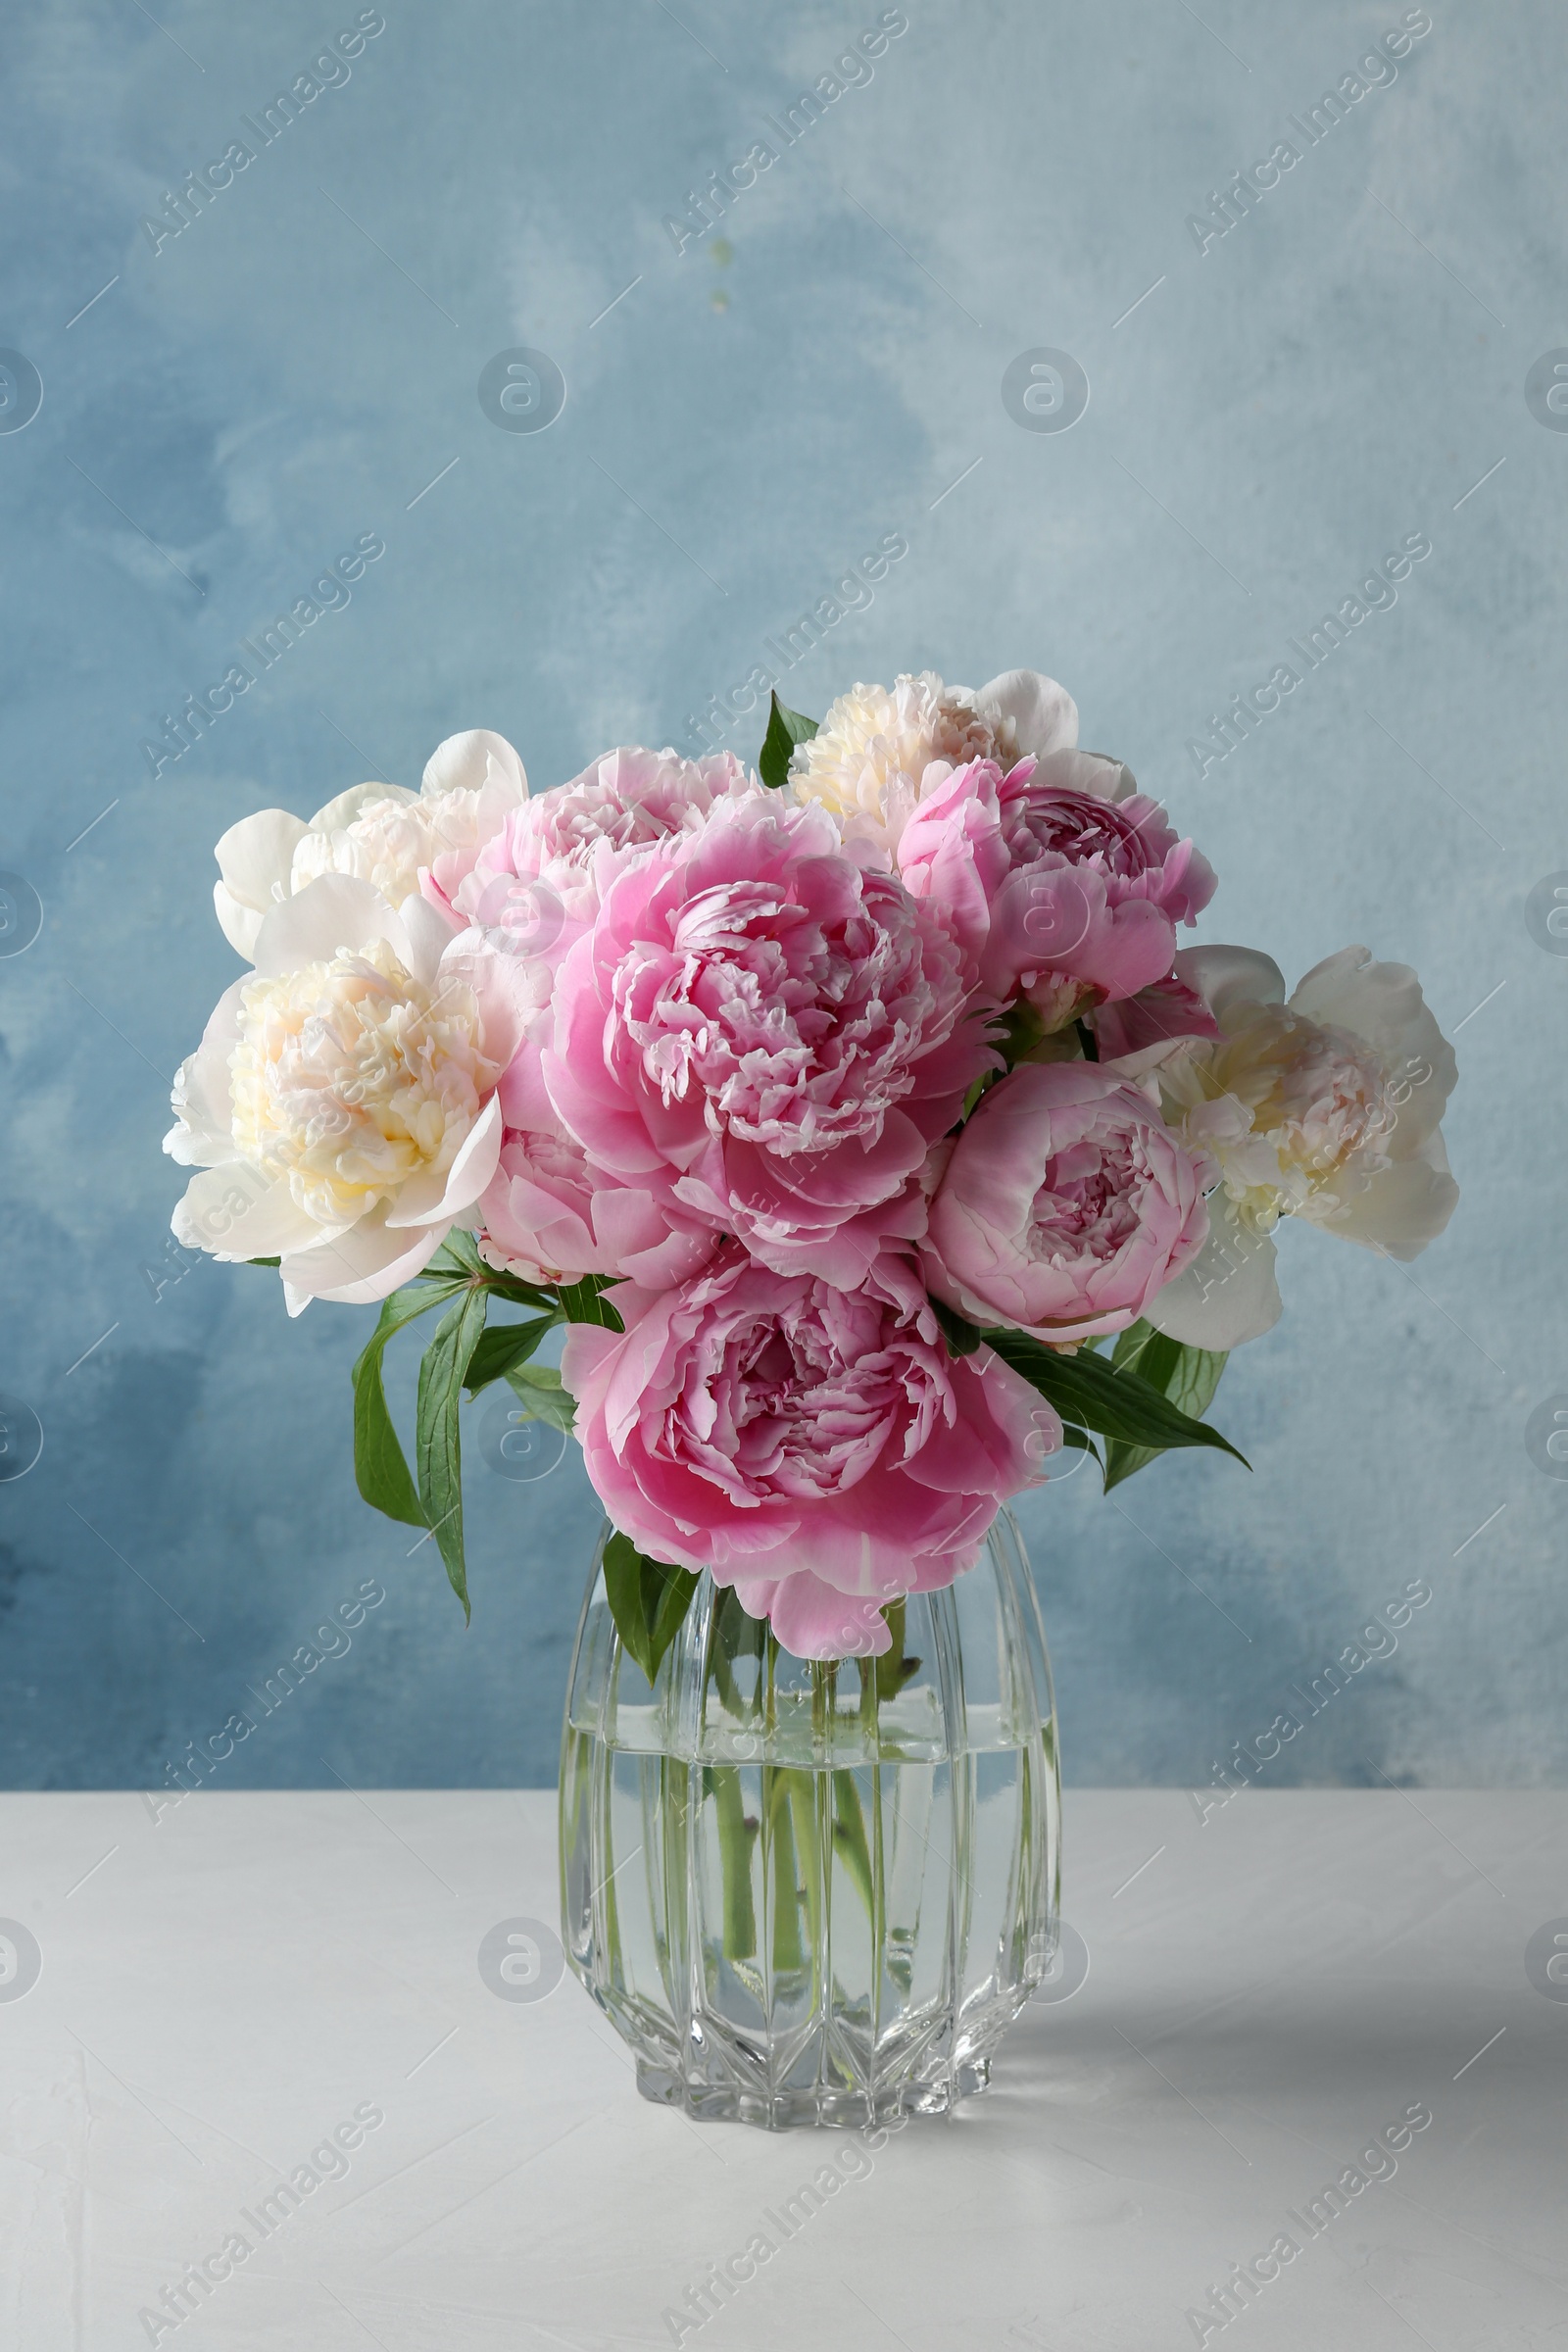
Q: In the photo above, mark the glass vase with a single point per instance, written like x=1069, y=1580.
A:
x=808, y=1892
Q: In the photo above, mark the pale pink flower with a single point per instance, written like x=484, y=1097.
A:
x=565, y=842
x=1064, y=1204
x=818, y=1449
x=1165, y=1009
x=768, y=1036
x=1056, y=878
x=550, y=1216
x=1097, y=880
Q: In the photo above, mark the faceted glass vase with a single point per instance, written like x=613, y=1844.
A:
x=806, y=1892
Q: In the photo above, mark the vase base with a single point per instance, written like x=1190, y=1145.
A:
x=821, y=2105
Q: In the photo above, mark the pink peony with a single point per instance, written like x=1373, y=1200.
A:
x=1064, y=1204
x=818, y=1449
x=534, y=889
x=766, y=1036
x=624, y=801
x=631, y=798
x=952, y=855
x=1058, y=867
x=549, y=1216
x=1167, y=1009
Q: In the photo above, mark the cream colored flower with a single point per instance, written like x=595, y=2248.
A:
x=342, y=1105
x=382, y=834
x=1327, y=1106
x=871, y=760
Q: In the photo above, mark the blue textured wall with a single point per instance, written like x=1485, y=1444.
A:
x=1279, y=410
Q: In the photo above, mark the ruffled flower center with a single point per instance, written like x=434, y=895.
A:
x=799, y=1403
x=350, y=1077
x=868, y=759
x=797, y=1027
x=1087, y=831
x=1296, y=1114
x=388, y=843
x=629, y=800
x=1086, y=1205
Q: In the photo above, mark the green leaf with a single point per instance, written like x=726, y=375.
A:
x=540, y=1392
x=647, y=1600
x=1018, y=1032
x=379, y=1468
x=1188, y=1376
x=457, y=1260
x=785, y=729
x=517, y=1293
x=1099, y=1396
x=584, y=1302
x=264, y=1262
x=962, y=1338
x=501, y=1350
x=458, y=1257
x=437, y=1445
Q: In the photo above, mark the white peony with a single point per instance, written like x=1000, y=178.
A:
x=381, y=833
x=871, y=760
x=342, y=1104
x=1327, y=1106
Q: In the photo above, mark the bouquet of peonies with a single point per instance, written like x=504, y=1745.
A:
x=840, y=1113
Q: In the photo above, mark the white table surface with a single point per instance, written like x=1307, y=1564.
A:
x=1278, y=1984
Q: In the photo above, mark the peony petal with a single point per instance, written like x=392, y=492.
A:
x=1227, y=978
x=1401, y=1209
x=336, y=913
x=255, y=856
x=238, y=923
x=430, y=1196
x=1382, y=1003
x=1127, y=949
x=465, y=763
x=340, y=813
x=814, y=1620
x=202, y=1096
x=1096, y=773
x=1044, y=714
x=1228, y=1294
x=234, y=1212
x=429, y=934
x=357, y=1267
